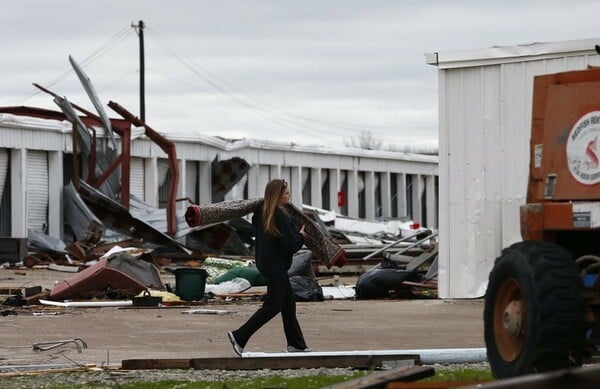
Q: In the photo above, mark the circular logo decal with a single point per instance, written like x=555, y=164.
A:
x=583, y=149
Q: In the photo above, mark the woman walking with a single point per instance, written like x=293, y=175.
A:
x=276, y=241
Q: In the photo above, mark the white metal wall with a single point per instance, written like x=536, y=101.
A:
x=485, y=120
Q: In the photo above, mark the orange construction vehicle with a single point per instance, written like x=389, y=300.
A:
x=542, y=305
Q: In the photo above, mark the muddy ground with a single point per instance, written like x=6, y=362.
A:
x=115, y=334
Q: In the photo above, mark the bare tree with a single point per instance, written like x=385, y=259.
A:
x=365, y=140
x=417, y=147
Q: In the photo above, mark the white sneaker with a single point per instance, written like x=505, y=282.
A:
x=236, y=347
x=292, y=349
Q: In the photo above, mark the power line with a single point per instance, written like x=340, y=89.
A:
x=169, y=76
x=335, y=124
x=197, y=87
x=117, y=80
x=283, y=117
x=272, y=116
x=292, y=121
x=98, y=53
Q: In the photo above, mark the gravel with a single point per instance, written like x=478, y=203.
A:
x=115, y=378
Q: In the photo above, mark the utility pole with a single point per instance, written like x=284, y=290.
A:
x=139, y=28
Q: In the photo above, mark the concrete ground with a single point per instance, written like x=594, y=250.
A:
x=114, y=334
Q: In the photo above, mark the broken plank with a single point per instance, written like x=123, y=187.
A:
x=428, y=285
x=10, y=289
x=382, y=379
x=295, y=362
x=155, y=364
x=434, y=385
x=35, y=299
x=241, y=295
x=63, y=268
x=207, y=312
x=421, y=259
x=31, y=370
x=22, y=290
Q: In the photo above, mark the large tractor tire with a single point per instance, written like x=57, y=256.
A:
x=534, y=311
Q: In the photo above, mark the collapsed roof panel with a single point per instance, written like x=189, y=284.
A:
x=81, y=220
x=156, y=217
x=119, y=217
x=225, y=174
x=91, y=92
x=100, y=158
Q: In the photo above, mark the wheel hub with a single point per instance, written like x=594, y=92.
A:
x=512, y=318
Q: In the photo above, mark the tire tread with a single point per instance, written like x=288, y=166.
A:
x=557, y=341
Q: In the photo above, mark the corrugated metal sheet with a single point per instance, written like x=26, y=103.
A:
x=37, y=190
x=485, y=120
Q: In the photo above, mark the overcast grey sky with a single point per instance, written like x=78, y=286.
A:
x=308, y=72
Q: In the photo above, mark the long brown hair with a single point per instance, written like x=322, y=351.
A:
x=273, y=192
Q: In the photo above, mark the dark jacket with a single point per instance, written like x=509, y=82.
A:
x=274, y=253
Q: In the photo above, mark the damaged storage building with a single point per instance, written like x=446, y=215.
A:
x=36, y=171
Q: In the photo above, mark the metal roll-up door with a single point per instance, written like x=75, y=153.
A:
x=5, y=216
x=3, y=170
x=191, y=181
x=163, y=182
x=136, y=178
x=37, y=190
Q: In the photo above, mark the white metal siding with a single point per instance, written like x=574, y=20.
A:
x=37, y=189
x=136, y=177
x=485, y=121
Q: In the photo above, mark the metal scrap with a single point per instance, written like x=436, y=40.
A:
x=44, y=346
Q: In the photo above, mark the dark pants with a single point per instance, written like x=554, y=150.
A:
x=280, y=298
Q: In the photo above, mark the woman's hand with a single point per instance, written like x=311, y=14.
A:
x=302, y=232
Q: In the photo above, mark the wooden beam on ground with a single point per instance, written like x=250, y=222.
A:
x=23, y=291
x=156, y=364
x=18, y=373
x=292, y=362
x=35, y=299
x=382, y=379
x=434, y=385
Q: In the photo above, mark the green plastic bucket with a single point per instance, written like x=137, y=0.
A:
x=190, y=282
